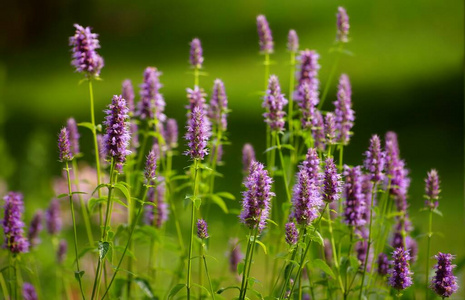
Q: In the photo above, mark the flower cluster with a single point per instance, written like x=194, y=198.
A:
x=85, y=57
x=274, y=103
x=13, y=226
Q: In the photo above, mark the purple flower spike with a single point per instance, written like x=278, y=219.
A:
x=308, y=73
x=248, y=156
x=61, y=252
x=127, y=93
x=444, y=283
x=355, y=205
x=375, y=159
x=292, y=41
x=274, y=103
x=330, y=128
x=256, y=200
x=116, y=139
x=171, y=133
x=85, y=57
x=307, y=104
x=157, y=216
x=13, y=226
x=292, y=235
x=34, y=230
x=332, y=184
x=150, y=167
x=196, y=98
x=151, y=103
x=196, y=58
x=306, y=200
x=312, y=165
x=400, y=276
x=343, y=110
x=318, y=132
x=64, y=146
x=73, y=135
x=29, y=292
x=202, y=227
x=198, y=133
x=383, y=264
x=342, y=25
x=395, y=168
x=432, y=189
x=218, y=108
x=53, y=218
x=265, y=38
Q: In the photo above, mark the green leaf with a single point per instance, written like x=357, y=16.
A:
x=354, y=263
x=272, y=222
x=438, y=212
x=85, y=250
x=123, y=190
x=119, y=201
x=94, y=202
x=63, y=195
x=78, y=275
x=220, y=291
x=226, y=195
x=287, y=146
x=316, y=236
x=87, y=125
x=74, y=193
x=261, y=245
x=321, y=264
x=176, y=290
x=202, y=287
x=103, y=248
x=144, y=286
x=197, y=202
x=220, y=202
x=271, y=148
x=240, y=268
x=99, y=187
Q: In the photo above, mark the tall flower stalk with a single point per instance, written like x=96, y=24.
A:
x=432, y=195
x=66, y=156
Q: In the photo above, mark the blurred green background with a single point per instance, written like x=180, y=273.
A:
x=406, y=73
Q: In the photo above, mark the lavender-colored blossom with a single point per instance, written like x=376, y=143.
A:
x=171, y=133
x=248, y=156
x=133, y=133
x=318, y=132
x=64, y=146
x=13, y=226
x=73, y=135
x=391, y=137
x=150, y=167
x=116, y=138
x=265, y=37
x=342, y=25
x=308, y=73
x=85, y=57
x=444, y=283
x=375, y=159
x=218, y=108
x=330, y=128
x=34, y=229
x=256, y=200
x=306, y=199
x=403, y=227
x=292, y=235
x=395, y=168
x=196, y=52
x=127, y=93
x=53, y=220
x=332, y=184
x=383, y=264
x=307, y=104
x=400, y=276
x=151, y=104
x=432, y=189
x=235, y=255
x=343, y=110
x=196, y=98
x=367, y=187
x=292, y=41
x=274, y=103
x=29, y=292
x=202, y=229
x=156, y=216
x=312, y=165
x=61, y=251
x=355, y=205
x=198, y=133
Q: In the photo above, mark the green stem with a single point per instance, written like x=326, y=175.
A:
x=208, y=277
x=254, y=241
x=196, y=76
x=133, y=226
x=189, y=259
x=247, y=255
x=289, y=273
x=299, y=270
x=369, y=240
x=85, y=212
x=428, y=248
x=335, y=256
x=76, y=252
x=289, y=198
x=200, y=271
x=6, y=294
x=331, y=75
x=267, y=69
x=346, y=289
